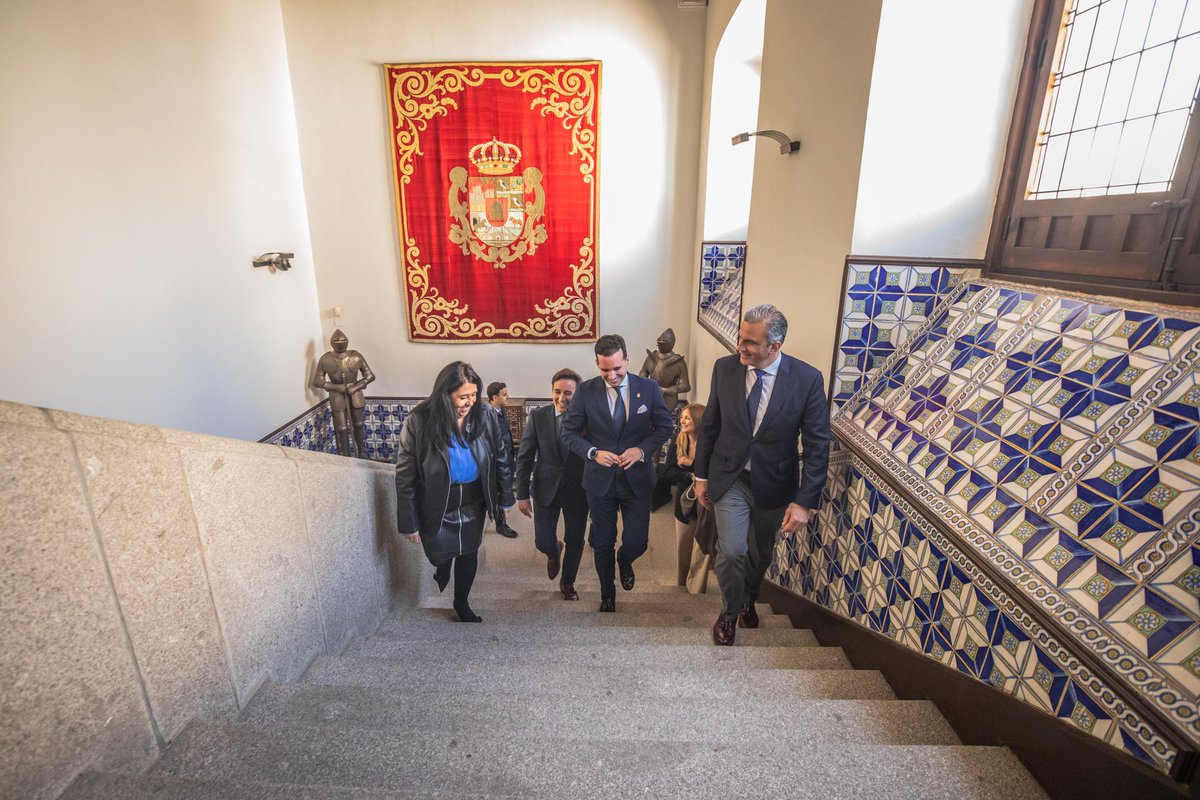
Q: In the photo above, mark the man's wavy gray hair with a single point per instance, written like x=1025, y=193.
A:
x=776, y=321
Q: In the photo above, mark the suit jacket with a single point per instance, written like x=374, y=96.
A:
x=556, y=465
x=797, y=411
x=590, y=424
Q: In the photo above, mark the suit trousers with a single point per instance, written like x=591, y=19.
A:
x=635, y=529
x=573, y=505
x=745, y=544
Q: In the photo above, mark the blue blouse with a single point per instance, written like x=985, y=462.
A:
x=463, y=468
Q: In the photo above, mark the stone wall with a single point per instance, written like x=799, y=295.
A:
x=149, y=575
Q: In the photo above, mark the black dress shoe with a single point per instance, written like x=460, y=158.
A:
x=723, y=631
x=748, y=618
x=608, y=604
x=568, y=591
x=626, y=570
x=505, y=531
x=554, y=562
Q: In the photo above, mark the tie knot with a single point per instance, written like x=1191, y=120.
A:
x=758, y=374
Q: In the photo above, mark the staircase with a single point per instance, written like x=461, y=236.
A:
x=550, y=699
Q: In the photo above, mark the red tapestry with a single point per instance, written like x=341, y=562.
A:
x=495, y=176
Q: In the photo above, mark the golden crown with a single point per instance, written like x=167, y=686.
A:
x=495, y=157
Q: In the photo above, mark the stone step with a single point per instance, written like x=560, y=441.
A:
x=117, y=786
x=802, y=767
x=544, y=590
x=441, y=628
x=692, y=681
x=616, y=717
x=571, y=655
x=642, y=615
x=630, y=603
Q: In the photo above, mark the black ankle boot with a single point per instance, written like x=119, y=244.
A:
x=465, y=614
x=442, y=576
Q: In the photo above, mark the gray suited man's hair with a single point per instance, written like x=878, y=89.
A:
x=776, y=321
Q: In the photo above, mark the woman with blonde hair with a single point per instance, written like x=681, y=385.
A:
x=677, y=469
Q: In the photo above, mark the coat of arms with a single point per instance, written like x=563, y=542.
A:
x=499, y=220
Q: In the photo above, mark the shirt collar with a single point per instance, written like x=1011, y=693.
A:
x=771, y=369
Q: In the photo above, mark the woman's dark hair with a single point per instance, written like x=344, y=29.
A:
x=443, y=422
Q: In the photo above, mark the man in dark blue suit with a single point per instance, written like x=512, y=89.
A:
x=555, y=475
x=761, y=404
x=617, y=422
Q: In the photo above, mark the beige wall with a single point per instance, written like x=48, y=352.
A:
x=149, y=153
x=816, y=78
x=942, y=95
x=649, y=118
x=150, y=576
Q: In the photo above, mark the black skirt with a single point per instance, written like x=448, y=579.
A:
x=461, y=531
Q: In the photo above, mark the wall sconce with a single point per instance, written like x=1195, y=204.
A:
x=274, y=261
x=786, y=145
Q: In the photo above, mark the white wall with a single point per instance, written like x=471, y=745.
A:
x=816, y=77
x=652, y=55
x=733, y=109
x=149, y=152
x=941, y=99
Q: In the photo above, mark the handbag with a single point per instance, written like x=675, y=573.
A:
x=706, y=531
x=687, y=503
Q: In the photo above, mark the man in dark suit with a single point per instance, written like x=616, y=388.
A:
x=497, y=393
x=557, y=484
x=617, y=421
x=761, y=403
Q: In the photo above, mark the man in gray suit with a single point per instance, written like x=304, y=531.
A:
x=761, y=405
x=557, y=485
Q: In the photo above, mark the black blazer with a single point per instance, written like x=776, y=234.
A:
x=540, y=443
x=423, y=474
x=797, y=412
x=589, y=424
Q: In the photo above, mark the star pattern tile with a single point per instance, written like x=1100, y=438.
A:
x=1059, y=438
x=884, y=306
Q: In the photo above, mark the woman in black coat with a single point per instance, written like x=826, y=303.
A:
x=451, y=470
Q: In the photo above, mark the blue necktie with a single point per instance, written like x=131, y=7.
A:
x=619, y=412
x=755, y=396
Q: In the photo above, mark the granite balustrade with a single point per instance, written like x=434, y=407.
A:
x=149, y=576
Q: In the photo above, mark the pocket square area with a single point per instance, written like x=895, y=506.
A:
x=642, y=409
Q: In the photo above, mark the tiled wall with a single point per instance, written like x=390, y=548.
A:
x=1054, y=440
x=383, y=418
x=884, y=302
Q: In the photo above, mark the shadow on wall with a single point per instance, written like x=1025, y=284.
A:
x=153, y=575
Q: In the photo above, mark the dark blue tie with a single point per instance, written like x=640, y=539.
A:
x=755, y=396
x=619, y=412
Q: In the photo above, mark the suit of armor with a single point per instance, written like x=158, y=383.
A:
x=344, y=374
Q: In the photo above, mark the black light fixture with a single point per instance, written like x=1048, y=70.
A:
x=786, y=144
x=274, y=261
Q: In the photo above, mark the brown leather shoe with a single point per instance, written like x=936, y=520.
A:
x=749, y=617
x=568, y=591
x=554, y=562
x=723, y=631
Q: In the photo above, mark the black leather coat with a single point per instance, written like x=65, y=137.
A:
x=423, y=474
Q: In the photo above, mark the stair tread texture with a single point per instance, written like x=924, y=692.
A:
x=554, y=767
x=441, y=628
x=488, y=651
x=92, y=785
x=616, y=717
x=670, y=681
x=626, y=615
